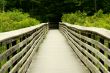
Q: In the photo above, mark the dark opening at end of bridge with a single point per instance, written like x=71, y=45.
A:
x=54, y=21
x=54, y=25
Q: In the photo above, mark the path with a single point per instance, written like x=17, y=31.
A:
x=55, y=56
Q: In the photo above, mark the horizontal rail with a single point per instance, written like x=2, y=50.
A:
x=18, y=47
x=92, y=45
x=15, y=33
x=100, y=31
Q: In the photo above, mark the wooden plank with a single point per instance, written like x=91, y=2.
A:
x=24, y=67
x=19, y=64
x=98, y=44
x=71, y=36
x=17, y=46
x=17, y=56
x=88, y=63
x=95, y=51
x=15, y=33
x=100, y=31
x=95, y=60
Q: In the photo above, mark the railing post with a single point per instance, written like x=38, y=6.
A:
x=107, y=44
x=97, y=38
x=101, y=41
x=8, y=46
x=93, y=45
x=3, y=48
x=0, y=53
x=14, y=43
x=89, y=36
x=109, y=56
x=67, y=34
x=21, y=39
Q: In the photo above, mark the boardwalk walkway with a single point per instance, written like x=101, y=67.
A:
x=55, y=56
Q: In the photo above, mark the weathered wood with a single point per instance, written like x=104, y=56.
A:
x=90, y=56
x=99, y=54
x=18, y=65
x=98, y=44
x=83, y=58
x=16, y=57
x=100, y=31
x=80, y=44
x=17, y=46
x=19, y=52
x=12, y=34
x=24, y=68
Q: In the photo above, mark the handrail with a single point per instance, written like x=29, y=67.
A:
x=18, y=47
x=11, y=34
x=100, y=31
x=91, y=44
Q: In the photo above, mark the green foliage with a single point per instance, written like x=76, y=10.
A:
x=15, y=20
x=74, y=18
x=52, y=10
x=97, y=20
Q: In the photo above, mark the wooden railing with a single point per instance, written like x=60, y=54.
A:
x=18, y=47
x=92, y=45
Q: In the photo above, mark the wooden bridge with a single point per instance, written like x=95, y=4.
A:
x=82, y=50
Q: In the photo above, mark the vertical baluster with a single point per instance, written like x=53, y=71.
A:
x=86, y=34
x=0, y=52
x=81, y=38
x=101, y=41
x=26, y=43
x=0, y=47
x=18, y=41
x=48, y=28
x=89, y=36
x=106, y=43
x=63, y=29
x=44, y=31
x=97, y=38
x=109, y=56
x=8, y=46
x=18, y=50
x=21, y=39
x=3, y=48
x=79, y=32
x=14, y=43
x=66, y=32
x=93, y=45
x=83, y=33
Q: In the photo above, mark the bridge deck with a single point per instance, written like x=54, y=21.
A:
x=55, y=56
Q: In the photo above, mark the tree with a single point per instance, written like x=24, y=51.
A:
x=52, y=10
x=2, y=5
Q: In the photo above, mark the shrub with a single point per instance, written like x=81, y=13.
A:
x=74, y=18
x=13, y=20
x=97, y=20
